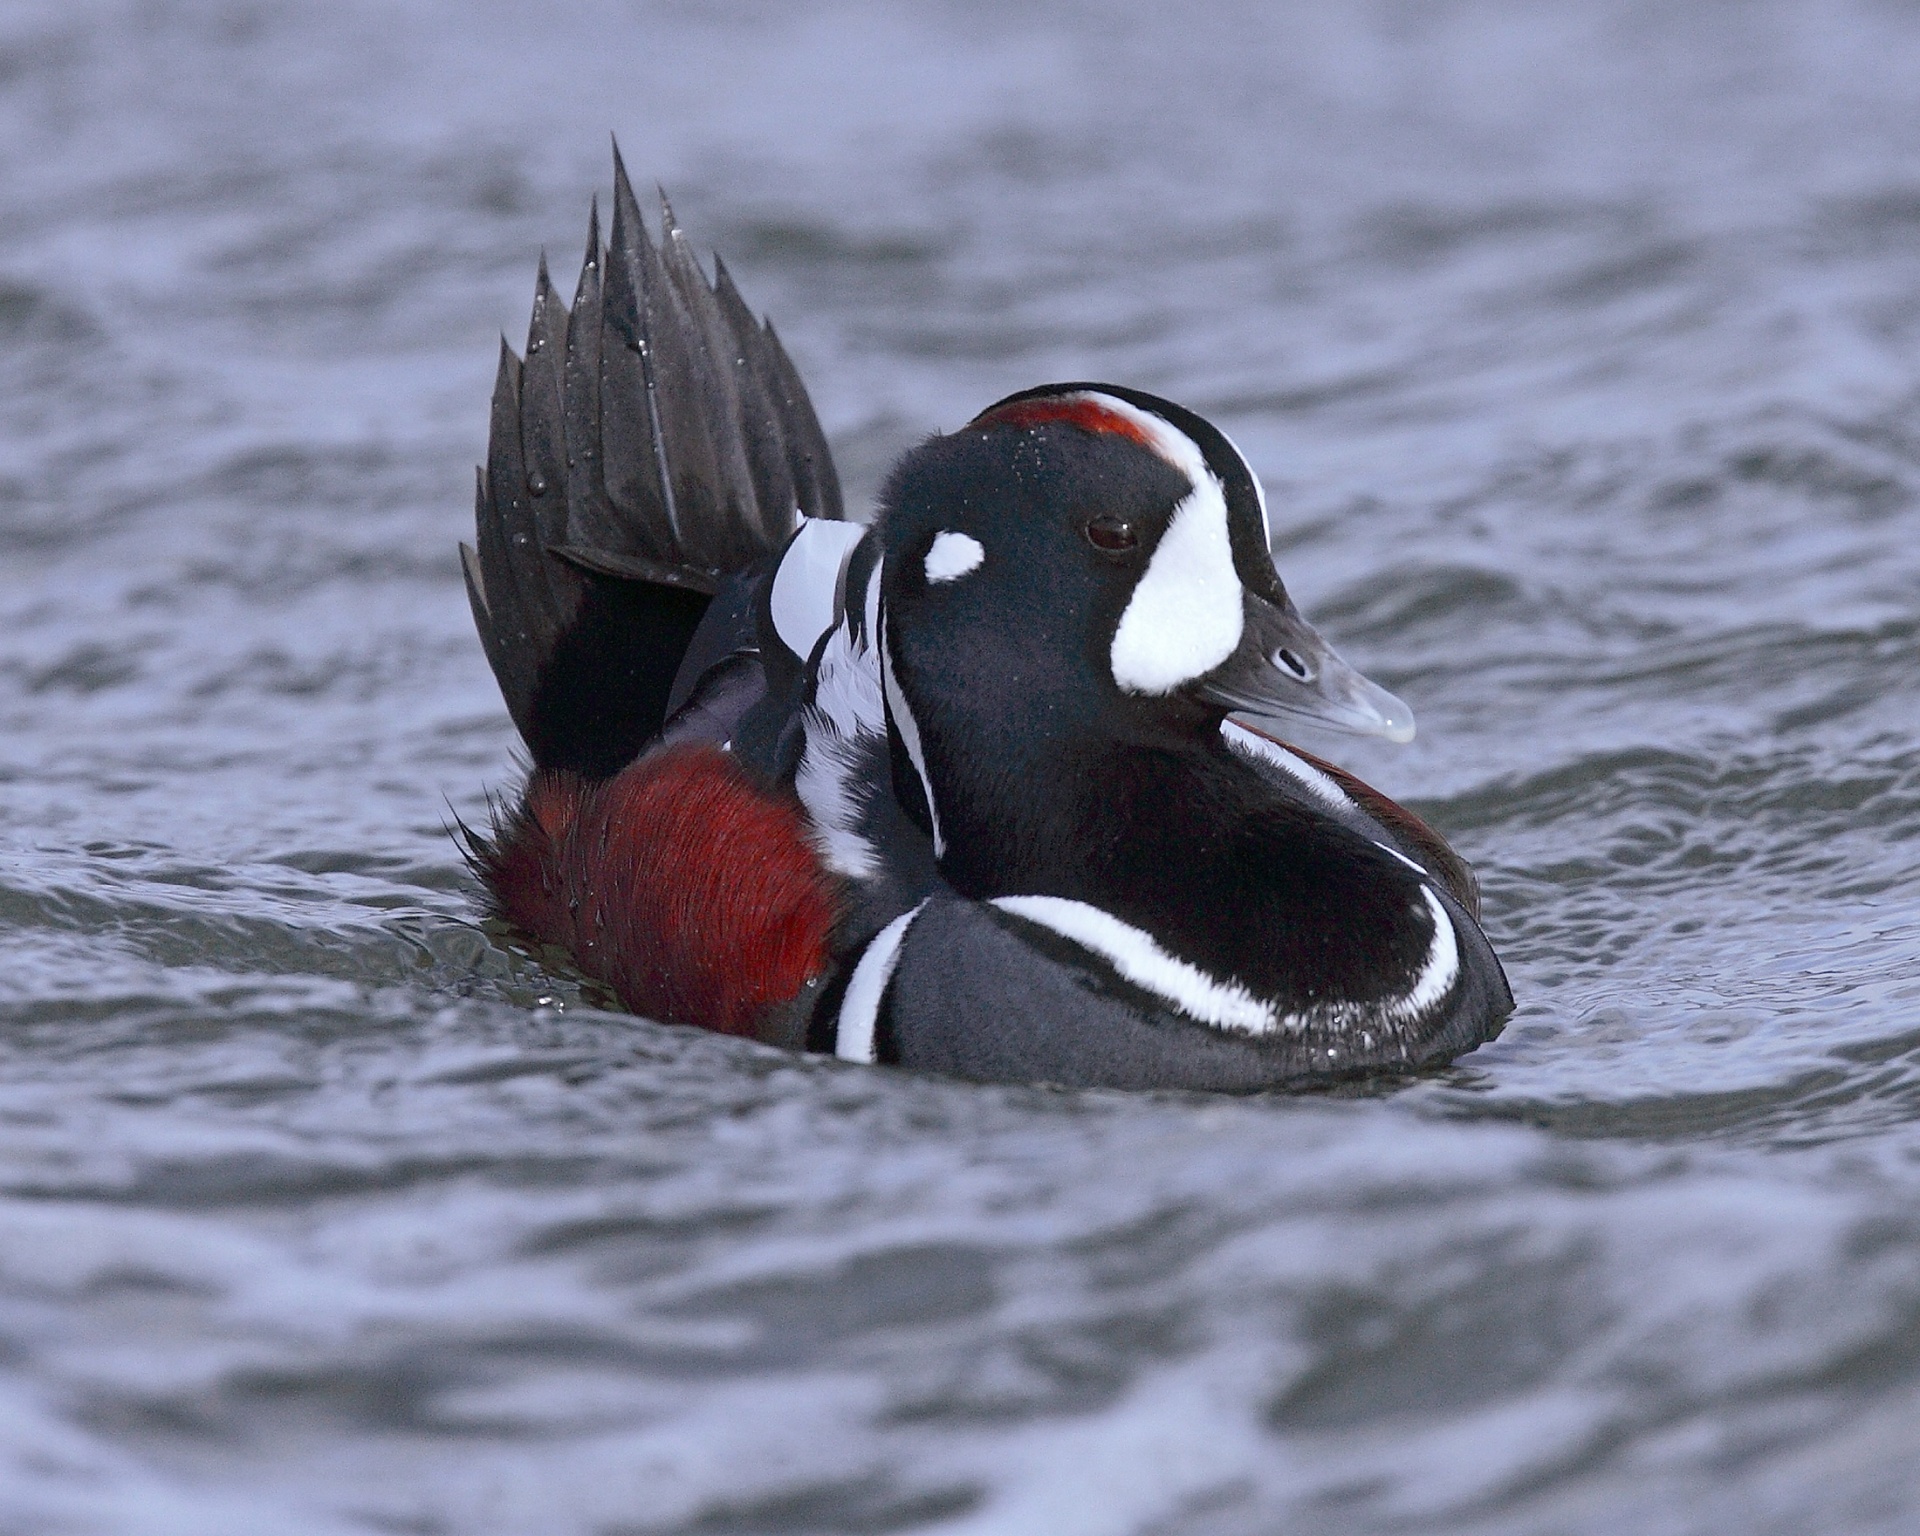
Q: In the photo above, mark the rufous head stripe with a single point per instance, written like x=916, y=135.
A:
x=1085, y=411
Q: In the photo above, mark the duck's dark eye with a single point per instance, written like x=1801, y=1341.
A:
x=1112, y=534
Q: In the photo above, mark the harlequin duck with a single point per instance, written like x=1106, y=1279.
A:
x=973, y=790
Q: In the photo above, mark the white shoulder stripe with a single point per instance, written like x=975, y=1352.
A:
x=806, y=586
x=1135, y=955
x=860, y=1008
x=1320, y=785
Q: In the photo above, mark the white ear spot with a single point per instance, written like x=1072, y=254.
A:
x=1184, y=618
x=952, y=556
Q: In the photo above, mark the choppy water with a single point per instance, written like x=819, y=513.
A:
x=1579, y=346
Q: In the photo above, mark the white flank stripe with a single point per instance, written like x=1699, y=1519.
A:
x=1321, y=786
x=1137, y=957
x=1442, y=969
x=903, y=722
x=952, y=556
x=860, y=1008
x=806, y=586
x=1184, y=618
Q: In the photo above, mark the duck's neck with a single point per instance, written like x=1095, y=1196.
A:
x=1059, y=812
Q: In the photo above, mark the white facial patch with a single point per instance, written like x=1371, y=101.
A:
x=1135, y=955
x=1185, y=617
x=860, y=1009
x=806, y=586
x=952, y=556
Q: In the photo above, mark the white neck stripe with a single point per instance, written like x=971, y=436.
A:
x=1321, y=786
x=909, y=730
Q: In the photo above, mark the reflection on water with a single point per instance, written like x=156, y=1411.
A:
x=1579, y=348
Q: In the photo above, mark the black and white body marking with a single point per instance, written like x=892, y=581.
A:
x=1137, y=956
x=1441, y=970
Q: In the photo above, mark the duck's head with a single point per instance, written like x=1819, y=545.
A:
x=1084, y=548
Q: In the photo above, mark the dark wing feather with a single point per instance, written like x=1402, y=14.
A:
x=773, y=482
x=655, y=441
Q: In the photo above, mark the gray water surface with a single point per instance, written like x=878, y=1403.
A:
x=1579, y=349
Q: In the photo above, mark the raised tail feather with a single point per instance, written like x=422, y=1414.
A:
x=655, y=440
